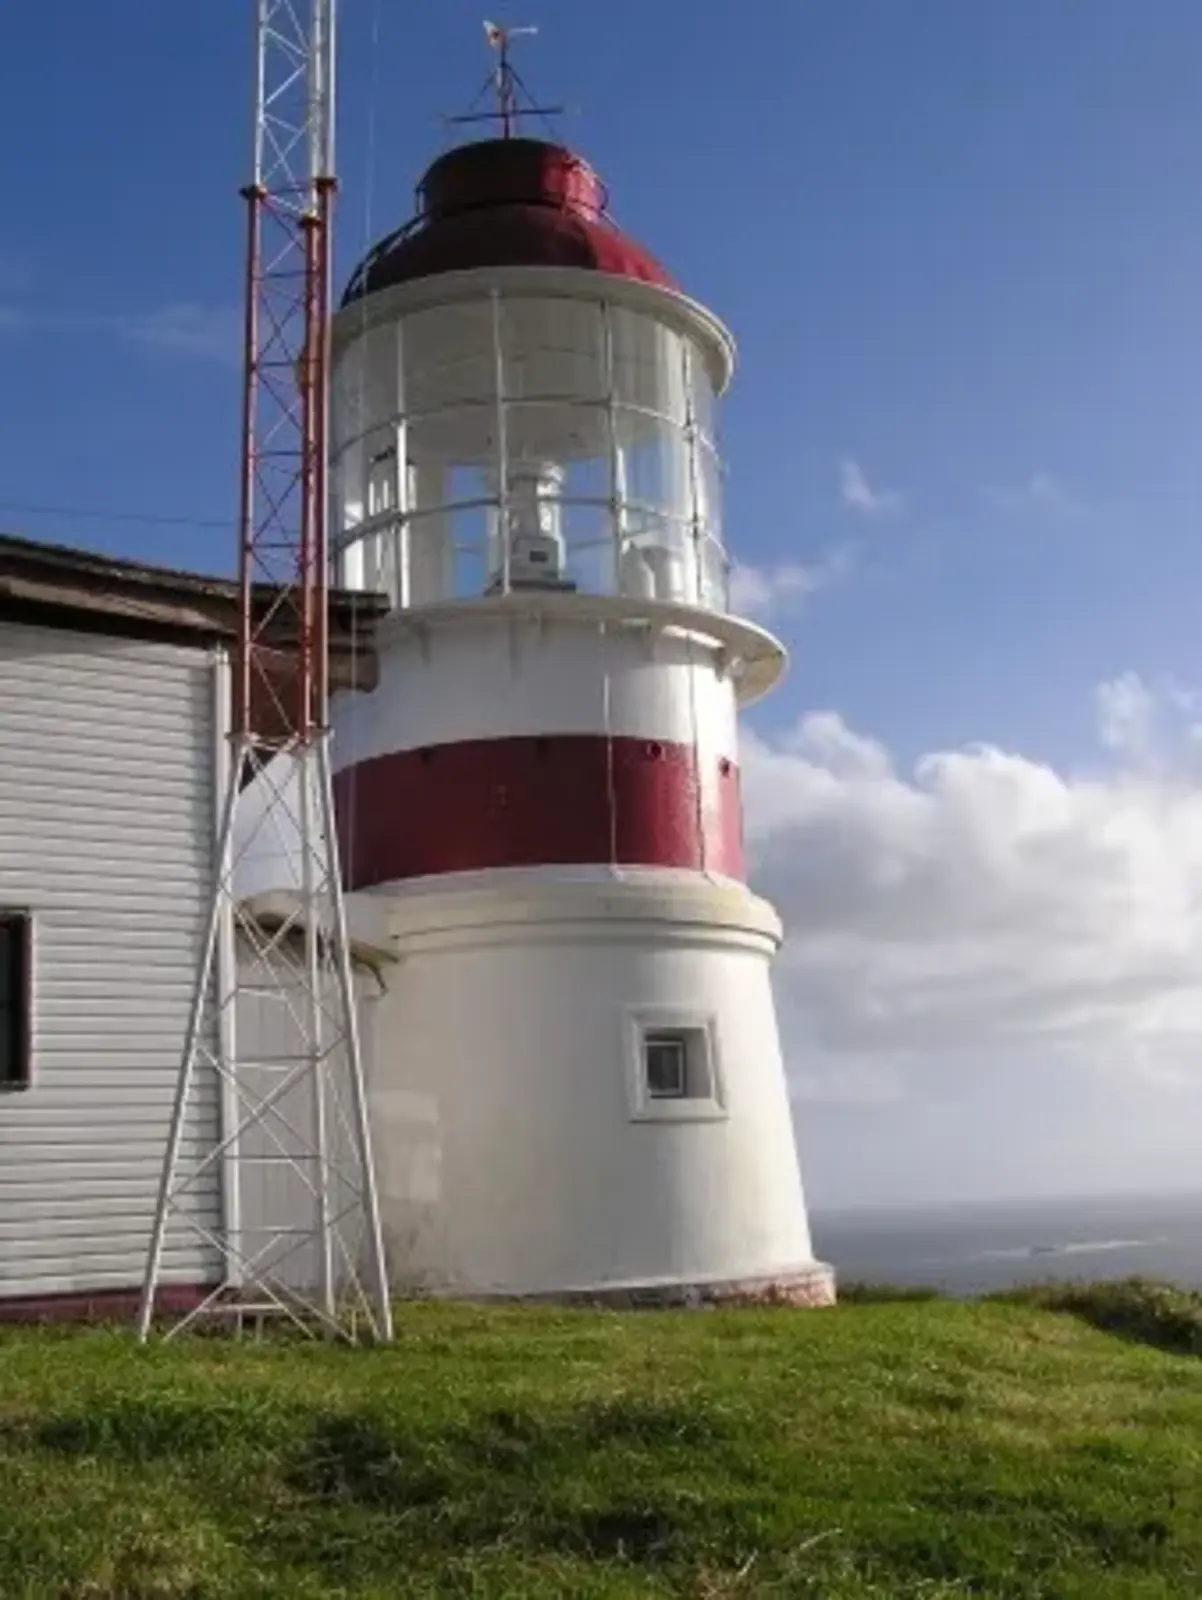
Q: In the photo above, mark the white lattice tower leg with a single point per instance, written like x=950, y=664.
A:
x=296, y=1131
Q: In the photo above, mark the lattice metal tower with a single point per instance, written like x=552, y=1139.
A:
x=273, y=1017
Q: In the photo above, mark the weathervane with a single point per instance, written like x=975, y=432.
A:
x=506, y=84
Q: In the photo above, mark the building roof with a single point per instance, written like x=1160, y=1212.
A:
x=506, y=203
x=55, y=586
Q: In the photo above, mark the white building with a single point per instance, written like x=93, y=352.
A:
x=111, y=727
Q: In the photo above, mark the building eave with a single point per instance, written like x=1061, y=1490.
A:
x=56, y=586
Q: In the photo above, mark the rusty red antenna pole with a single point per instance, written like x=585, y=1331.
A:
x=296, y=1102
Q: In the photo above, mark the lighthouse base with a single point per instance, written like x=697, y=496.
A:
x=810, y=1286
x=577, y=1093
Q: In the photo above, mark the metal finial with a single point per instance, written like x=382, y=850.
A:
x=506, y=85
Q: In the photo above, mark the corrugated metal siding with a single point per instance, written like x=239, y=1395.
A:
x=106, y=835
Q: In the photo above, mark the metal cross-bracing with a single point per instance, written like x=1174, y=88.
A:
x=272, y=1037
x=289, y=202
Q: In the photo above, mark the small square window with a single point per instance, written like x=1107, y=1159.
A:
x=673, y=1065
x=666, y=1059
x=15, y=1053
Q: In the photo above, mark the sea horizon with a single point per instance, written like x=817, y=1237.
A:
x=982, y=1245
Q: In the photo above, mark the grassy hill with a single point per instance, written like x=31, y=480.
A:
x=889, y=1449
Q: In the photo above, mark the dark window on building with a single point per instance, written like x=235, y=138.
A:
x=666, y=1057
x=15, y=1053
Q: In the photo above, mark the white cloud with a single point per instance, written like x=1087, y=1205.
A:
x=984, y=913
x=1128, y=714
x=209, y=333
x=1041, y=493
x=186, y=329
x=859, y=496
x=765, y=591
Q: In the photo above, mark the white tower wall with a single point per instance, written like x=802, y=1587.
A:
x=519, y=1153
x=528, y=670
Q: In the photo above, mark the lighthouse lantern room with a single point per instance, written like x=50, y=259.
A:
x=575, y=1074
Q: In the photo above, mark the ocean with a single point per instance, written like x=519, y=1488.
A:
x=975, y=1248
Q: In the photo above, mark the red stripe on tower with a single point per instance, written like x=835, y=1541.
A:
x=558, y=800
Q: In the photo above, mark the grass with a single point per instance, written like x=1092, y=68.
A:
x=893, y=1447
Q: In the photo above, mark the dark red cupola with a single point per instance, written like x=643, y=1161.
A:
x=506, y=203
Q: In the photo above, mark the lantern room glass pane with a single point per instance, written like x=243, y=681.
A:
x=552, y=348
x=713, y=576
x=659, y=560
x=648, y=364
x=380, y=492
x=709, y=490
x=654, y=459
x=470, y=566
x=452, y=458
x=556, y=431
x=447, y=357
x=430, y=557
x=366, y=383
x=592, y=557
x=347, y=485
x=701, y=399
x=381, y=561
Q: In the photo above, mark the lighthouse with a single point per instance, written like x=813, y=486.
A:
x=574, y=1069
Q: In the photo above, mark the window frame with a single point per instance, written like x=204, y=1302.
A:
x=16, y=1016
x=704, y=1097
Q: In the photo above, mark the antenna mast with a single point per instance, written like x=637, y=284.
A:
x=273, y=1019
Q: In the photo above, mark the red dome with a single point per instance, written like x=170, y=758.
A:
x=505, y=203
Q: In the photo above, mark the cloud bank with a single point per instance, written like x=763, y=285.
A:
x=985, y=913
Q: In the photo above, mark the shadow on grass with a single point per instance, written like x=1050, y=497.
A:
x=588, y=1481
x=354, y=1460
x=131, y=1431
x=1157, y=1314
x=355, y=1489
x=358, y=1457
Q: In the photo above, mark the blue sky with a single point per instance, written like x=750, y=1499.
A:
x=960, y=245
